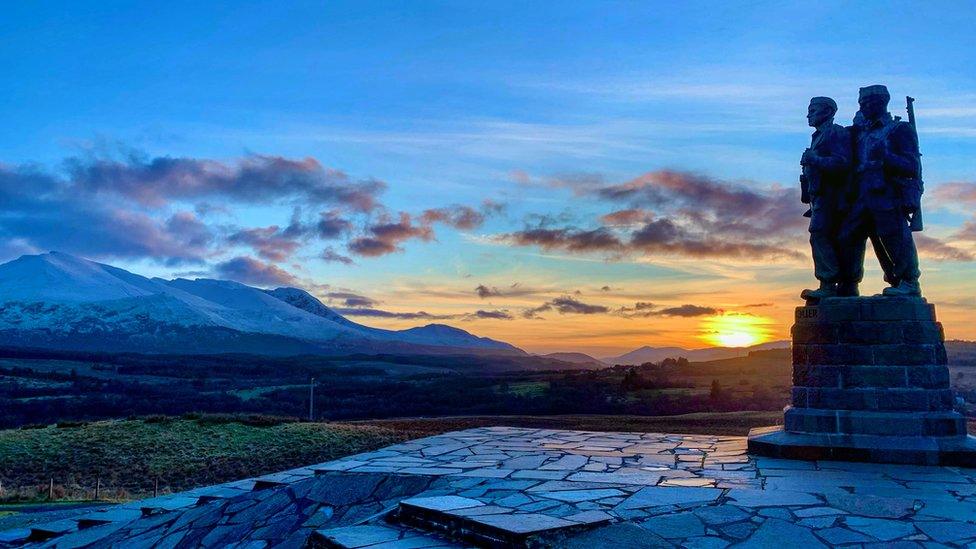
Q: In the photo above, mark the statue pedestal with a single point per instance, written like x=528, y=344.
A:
x=870, y=383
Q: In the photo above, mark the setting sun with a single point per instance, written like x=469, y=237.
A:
x=735, y=330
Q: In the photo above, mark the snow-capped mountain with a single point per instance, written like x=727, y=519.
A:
x=60, y=301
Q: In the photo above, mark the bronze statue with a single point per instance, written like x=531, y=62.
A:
x=862, y=182
x=824, y=185
x=886, y=191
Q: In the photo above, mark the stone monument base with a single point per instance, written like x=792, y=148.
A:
x=870, y=383
x=777, y=442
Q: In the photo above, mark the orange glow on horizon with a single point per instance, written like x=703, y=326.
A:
x=735, y=330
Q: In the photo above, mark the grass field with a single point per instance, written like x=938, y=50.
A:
x=127, y=456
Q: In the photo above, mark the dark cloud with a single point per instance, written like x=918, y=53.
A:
x=350, y=299
x=484, y=291
x=494, y=315
x=386, y=236
x=37, y=212
x=248, y=270
x=600, y=240
x=271, y=243
x=565, y=305
x=680, y=214
x=331, y=225
x=631, y=216
x=687, y=311
x=253, y=179
x=459, y=217
x=331, y=256
x=378, y=313
x=645, y=309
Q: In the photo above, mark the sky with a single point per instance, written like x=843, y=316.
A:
x=564, y=176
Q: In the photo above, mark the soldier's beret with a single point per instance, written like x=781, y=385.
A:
x=876, y=89
x=824, y=101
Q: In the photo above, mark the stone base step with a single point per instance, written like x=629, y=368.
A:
x=864, y=422
x=379, y=537
x=483, y=525
x=777, y=442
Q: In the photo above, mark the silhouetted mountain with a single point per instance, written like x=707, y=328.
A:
x=657, y=354
x=576, y=358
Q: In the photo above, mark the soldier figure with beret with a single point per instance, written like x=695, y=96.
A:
x=824, y=185
x=886, y=166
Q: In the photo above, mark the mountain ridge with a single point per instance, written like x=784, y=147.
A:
x=657, y=354
x=56, y=299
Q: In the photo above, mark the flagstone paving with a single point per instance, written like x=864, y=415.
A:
x=504, y=486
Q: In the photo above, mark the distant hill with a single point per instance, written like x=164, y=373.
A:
x=58, y=301
x=582, y=359
x=657, y=354
x=961, y=352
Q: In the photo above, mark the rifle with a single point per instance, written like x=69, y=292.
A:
x=916, y=221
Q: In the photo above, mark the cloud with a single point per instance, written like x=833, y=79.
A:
x=329, y=255
x=379, y=313
x=934, y=248
x=484, y=291
x=628, y=217
x=568, y=239
x=495, y=315
x=350, y=299
x=331, y=225
x=459, y=217
x=271, y=243
x=687, y=311
x=253, y=179
x=37, y=212
x=955, y=192
x=678, y=214
x=385, y=237
x=645, y=309
x=248, y=270
x=565, y=305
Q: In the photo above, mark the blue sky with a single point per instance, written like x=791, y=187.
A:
x=532, y=107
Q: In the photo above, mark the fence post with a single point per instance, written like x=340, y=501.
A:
x=50, y=490
x=98, y=487
x=156, y=487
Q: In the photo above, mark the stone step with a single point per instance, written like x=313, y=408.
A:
x=919, y=354
x=868, y=376
x=379, y=536
x=777, y=442
x=483, y=525
x=859, y=422
x=866, y=308
x=890, y=399
x=868, y=332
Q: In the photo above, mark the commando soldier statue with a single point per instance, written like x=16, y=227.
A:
x=887, y=189
x=824, y=185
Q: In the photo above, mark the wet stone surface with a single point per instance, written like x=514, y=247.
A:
x=549, y=488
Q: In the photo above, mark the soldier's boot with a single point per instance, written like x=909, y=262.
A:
x=905, y=288
x=847, y=289
x=826, y=289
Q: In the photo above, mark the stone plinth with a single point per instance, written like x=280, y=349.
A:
x=870, y=383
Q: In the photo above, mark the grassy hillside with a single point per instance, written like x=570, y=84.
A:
x=127, y=456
